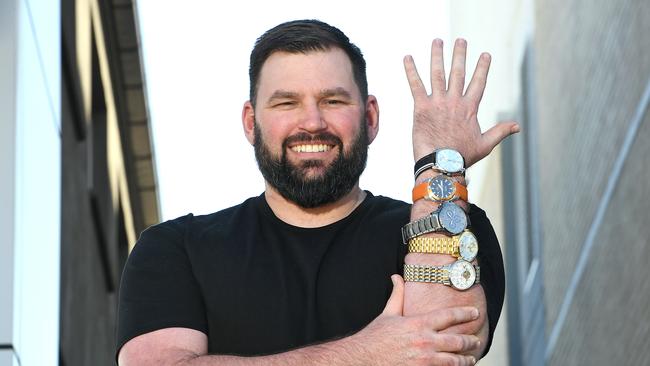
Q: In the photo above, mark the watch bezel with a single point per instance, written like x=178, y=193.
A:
x=456, y=281
x=447, y=206
x=442, y=161
x=463, y=246
x=433, y=197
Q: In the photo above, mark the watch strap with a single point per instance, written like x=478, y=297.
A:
x=427, y=224
x=437, y=245
x=461, y=191
x=424, y=163
x=433, y=274
x=422, y=191
x=428, y=274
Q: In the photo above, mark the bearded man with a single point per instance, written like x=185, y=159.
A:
x=310, y=271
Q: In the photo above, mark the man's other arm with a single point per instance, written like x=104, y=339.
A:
x=390, y=339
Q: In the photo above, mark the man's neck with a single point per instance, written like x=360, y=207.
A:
x=295, y=215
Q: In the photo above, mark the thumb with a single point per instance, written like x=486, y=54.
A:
x=497, y=133
x=395, y=304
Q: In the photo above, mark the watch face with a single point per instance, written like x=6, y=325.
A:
x=462, y=274
x=452, y=218
x=449, y=160
x=441, y=188
x=468, y=246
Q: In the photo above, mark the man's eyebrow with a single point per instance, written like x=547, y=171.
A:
x=342, y=92
x=325, y=93
x=283, y=94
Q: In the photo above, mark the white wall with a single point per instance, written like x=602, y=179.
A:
x=31, y=183
x=502, y=28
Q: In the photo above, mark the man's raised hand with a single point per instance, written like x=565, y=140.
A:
x=448, y=117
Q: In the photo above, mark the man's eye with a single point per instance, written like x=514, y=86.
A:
x=334, y=101
x=285, y=104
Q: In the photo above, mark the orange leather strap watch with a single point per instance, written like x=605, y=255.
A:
x=439, y=188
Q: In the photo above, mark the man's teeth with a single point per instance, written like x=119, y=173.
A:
x=311, y=148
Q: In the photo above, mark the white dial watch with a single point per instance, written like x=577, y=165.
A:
x=463, y=246
x=446, y=161
x=460, y=275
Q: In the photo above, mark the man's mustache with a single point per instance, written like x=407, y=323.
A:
x=303, y=137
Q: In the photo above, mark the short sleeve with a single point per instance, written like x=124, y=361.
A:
x=158, y=289
x=490, y=261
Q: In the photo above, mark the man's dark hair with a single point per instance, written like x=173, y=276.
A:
x=303, y=36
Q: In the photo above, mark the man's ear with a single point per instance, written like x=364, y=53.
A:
x=248, y=121
x=372, y=118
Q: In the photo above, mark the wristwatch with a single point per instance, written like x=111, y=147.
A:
x=448, y=217
x=460, y=275
x=446, y=161
x=439, y=188
x=463, y=246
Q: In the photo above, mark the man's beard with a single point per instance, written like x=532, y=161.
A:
x=292, y=181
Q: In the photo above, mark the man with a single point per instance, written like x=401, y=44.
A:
x=299, y=275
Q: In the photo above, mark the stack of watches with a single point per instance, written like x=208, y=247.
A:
x=448, y=219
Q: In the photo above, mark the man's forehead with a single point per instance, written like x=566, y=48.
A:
x=327, y=66
x=280, y=57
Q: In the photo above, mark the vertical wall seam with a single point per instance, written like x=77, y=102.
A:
x=41, y=65
x=589, y=242
x=8, y=130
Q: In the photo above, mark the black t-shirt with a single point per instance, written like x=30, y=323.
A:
x=256, y=285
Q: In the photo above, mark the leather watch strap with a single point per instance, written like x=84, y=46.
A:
x=422, y=191
x=424, y=163
x=461, y=191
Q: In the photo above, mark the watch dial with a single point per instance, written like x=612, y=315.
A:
x=468, y=246
x=442, y=188
x=462, y=274
x=452, y=218
x=449, y=160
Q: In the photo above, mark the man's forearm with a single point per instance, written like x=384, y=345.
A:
x=389, y=340
x=424, y=297
x=338, y=352
x=447, y=118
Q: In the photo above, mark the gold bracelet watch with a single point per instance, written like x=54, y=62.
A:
x=463, y=246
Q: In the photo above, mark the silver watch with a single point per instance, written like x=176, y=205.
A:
x=446, y=161
x=460, y=275
x=448, y=217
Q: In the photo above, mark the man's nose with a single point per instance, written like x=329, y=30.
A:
x=312, y=118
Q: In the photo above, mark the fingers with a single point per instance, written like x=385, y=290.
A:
x=450, y=349
x=395, y=304
x=456, y=343
x=442, y=358
x=479, y=79
x=457, y=74
x=438, y=81
x=417, y=88
x=445, y=318
x=496, y=134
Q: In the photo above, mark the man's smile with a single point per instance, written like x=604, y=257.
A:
x=311, y=148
